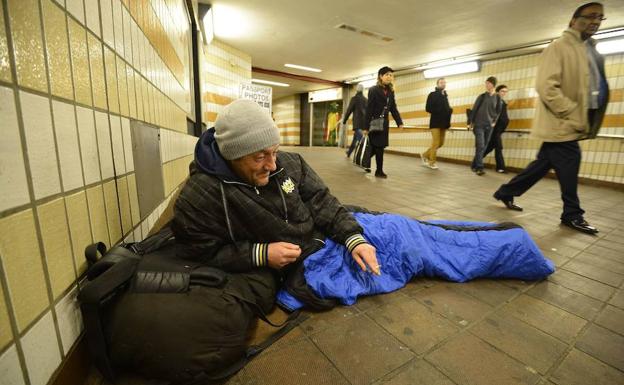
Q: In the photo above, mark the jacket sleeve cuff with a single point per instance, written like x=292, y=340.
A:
x=353, y=241
x=260, y=254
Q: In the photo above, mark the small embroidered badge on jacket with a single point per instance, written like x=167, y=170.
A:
x=288, y=186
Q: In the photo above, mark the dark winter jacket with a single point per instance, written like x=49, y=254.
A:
x=439, y=108
x=503, y=119
x=377, y=101
x=357, y=106
x=227, y=223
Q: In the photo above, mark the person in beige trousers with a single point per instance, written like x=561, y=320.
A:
x=440, y=110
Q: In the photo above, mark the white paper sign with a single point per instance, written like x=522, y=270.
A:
x=262, y=95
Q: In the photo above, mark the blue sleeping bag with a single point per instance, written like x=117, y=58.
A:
x=407, y=248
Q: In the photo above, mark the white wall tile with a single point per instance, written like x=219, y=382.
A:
x=135, y=44
x=76, y=8
x=104, y=145
x=88, y=145
x=12, y=168
x=41, y=351
x=67, y=142
x=127, y=34
x=10, y=369
x=117, y=140
x=93, y=16
x=69, y=319
x=107, y=22
x=118, y=24
x=127, y=142
x=40, y=144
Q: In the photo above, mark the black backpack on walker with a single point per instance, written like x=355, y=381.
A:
x=147, y=312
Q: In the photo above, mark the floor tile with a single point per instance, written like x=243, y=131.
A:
x=413, y=324
x=418, y=372
x=581, y=369
x=470, y=361
x=457, y=307
x=583, y=285
x=567, y=299
x=612, y=318
x=604, y=345
x=301, y=363
x=548, y=318
x=521, y=341
x=361, y=350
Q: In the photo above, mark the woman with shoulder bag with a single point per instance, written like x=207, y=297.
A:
x=380, y=102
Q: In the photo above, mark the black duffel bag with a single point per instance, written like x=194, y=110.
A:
x=148, y=312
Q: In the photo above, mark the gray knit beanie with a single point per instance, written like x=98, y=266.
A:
x=242, y=128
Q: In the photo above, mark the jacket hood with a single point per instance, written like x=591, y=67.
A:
x=209, y=160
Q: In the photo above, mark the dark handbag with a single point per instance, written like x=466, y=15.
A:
x=377, y=124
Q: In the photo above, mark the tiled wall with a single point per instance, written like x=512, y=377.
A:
x=603, y=158
x=287, y=115
x=223, y=69
x=74, y=74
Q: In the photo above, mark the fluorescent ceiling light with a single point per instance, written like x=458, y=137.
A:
x=610, y=46
x=368, y=83
x=207, y=26
x=608, y=34
x=260, y=81
x=454, y=69
x=362, y=79
x=302, y=67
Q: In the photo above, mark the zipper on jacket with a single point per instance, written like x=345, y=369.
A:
x=283, y=201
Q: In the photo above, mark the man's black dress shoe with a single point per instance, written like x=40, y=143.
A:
x=381, y=175
x=580, y=225
x=508, y=202
x=367, y=169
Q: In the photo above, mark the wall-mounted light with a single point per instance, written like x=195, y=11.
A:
x=297, y=66
x=454, y=69
x=610, y=46
x=206, y=25
x=260, y=81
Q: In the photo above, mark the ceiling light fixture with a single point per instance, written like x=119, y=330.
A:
x=302, y=67
x=368, y=83
x=610, y=46
x=206, y=26
x=260, y=81
x=454, y=69
x=361, y=79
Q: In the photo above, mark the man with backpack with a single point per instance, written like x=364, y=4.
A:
x=484, y=115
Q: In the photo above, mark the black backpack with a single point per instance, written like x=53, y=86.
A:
x=148, y=312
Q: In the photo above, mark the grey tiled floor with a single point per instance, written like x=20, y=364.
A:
x=568, y=329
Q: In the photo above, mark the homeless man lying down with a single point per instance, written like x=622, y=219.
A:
x=248, y=206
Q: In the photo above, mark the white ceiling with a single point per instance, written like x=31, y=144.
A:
x=275, y=32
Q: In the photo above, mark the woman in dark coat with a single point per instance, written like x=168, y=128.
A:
x=380, y=102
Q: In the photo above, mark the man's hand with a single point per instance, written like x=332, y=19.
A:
x=366, y=255
x=282, y=254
